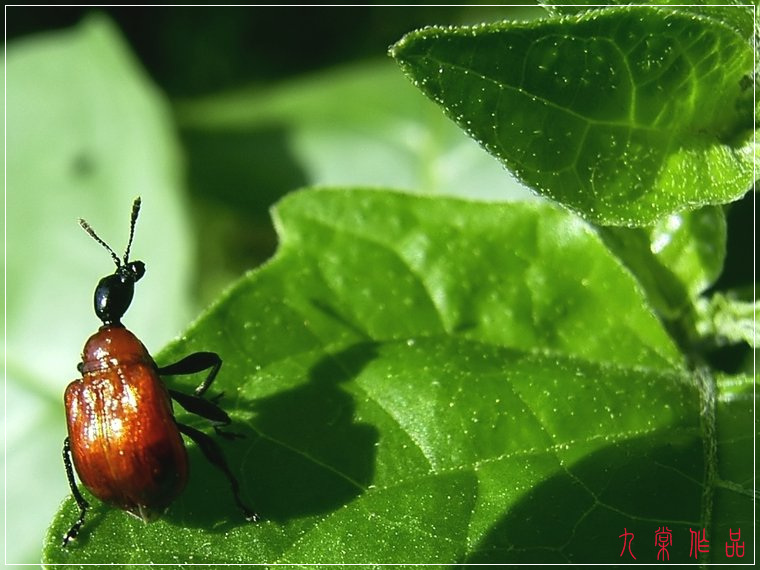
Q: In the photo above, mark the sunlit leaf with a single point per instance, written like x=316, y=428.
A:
x=624, y=115
x=735, y=13
x=404, y=402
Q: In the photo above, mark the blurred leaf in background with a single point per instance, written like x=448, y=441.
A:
x=249, y=140
x=339, y=128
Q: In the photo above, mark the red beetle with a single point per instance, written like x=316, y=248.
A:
x=123, y=438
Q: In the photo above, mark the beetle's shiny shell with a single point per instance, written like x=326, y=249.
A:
x=125, y=444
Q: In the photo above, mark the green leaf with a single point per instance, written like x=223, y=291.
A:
x=665, y=291
x=430, y=380
x=734, y=13
x=674, y=260
x=693, y=245
x=624, y=115
x=86, y=133
x=736, y=433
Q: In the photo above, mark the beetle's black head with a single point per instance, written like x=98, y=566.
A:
x=114, y=292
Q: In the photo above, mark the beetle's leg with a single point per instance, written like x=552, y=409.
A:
x=206, y=409
x=201, y=407
x=193, y=363
x=81, y=501
x=214, y=455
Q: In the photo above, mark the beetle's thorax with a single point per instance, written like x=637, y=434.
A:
x=112, y=345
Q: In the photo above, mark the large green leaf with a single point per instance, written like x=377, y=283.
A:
x=431, y=380
x=625, y=114
x=86, y=133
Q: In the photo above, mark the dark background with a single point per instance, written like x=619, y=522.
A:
x=192, y=51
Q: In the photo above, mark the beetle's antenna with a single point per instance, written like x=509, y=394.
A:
x=86, y=227
x=133, y=220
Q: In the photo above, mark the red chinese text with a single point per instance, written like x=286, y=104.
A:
x=698, y=543
x=626, y=542
x=663, y=538
x=734, y=548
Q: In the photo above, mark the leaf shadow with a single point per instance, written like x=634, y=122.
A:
x=303, y=454
x=577, y=515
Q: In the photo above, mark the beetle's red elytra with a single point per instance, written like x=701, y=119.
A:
x=126, y=447
x=124, y=441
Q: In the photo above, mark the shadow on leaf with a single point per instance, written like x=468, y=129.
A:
x=578, y=515
x=303, y=455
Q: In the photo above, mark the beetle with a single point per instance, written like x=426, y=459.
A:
x=123, y=439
